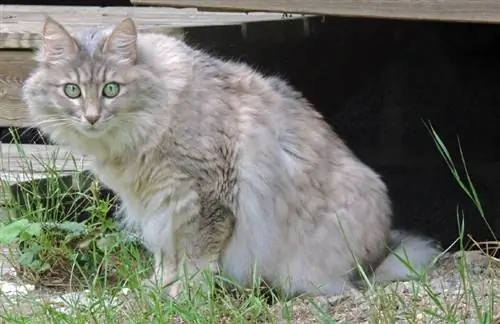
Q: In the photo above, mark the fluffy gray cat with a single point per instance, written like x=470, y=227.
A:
x=217, y=166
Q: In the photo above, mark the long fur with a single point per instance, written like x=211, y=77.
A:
x=218, y=166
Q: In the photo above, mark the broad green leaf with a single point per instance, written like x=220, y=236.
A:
x=10, y=232
x=72, y=227
x=39, y=265
x=44, y=267
x=35, y=229
x=26, y=258
x=106, y=242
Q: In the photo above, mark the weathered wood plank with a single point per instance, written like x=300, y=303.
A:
x=15, y=67
x=446, y=10
x=28, y=162
x=20, y=26
x=30, y=159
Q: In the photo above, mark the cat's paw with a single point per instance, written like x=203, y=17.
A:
x=172, y=290
x=168, y=285
x=175, y=289
x=152, y=286
x=199, y=283
x=159, y=282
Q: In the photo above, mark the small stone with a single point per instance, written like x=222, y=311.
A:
x=125, y=291
x=322, y=303
x=12, y=289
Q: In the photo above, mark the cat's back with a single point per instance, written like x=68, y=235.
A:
x=285, y=146
x=276, y=122
x=233, y=115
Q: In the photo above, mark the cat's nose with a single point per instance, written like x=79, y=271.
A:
x=92, y=119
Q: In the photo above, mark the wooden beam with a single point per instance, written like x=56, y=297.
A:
x=28, y=162
x=447, y=10
x=15, y=67
x=20, y=26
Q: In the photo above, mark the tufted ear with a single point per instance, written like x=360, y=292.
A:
x=122, y=42
x=58, y=45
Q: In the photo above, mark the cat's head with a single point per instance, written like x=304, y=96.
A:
x=91, y=84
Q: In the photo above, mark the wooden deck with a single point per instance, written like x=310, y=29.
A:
x=487, y=11
x=20, y=26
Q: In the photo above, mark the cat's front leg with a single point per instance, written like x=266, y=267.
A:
x=176, y=267
x=192, y=271
x=186, y=238
x=158, y=231
x=201, y=242
x=165, y=269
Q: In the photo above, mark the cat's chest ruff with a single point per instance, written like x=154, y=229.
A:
x=144, y=188
x=119, y=176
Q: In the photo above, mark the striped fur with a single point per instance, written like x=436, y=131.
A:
x=216, y=164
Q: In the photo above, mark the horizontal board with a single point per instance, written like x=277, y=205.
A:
x=448, y=10
x=15, y=67
x=27, y=161
x=20, y=26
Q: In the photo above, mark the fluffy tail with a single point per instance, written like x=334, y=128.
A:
x=408, y=253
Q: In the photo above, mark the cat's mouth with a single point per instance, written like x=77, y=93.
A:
x=93, y=130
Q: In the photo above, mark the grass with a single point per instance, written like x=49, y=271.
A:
x=87, y=271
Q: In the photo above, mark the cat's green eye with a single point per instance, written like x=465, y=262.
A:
x=110, y=89
x=72, y=90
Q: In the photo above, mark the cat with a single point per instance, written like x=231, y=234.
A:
x=217, y=166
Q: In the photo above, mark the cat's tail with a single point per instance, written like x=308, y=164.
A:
x=409, y=255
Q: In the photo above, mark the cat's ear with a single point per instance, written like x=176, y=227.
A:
x=58, y=45
x=122, y=42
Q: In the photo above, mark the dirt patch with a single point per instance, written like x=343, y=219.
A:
x=462, y=286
